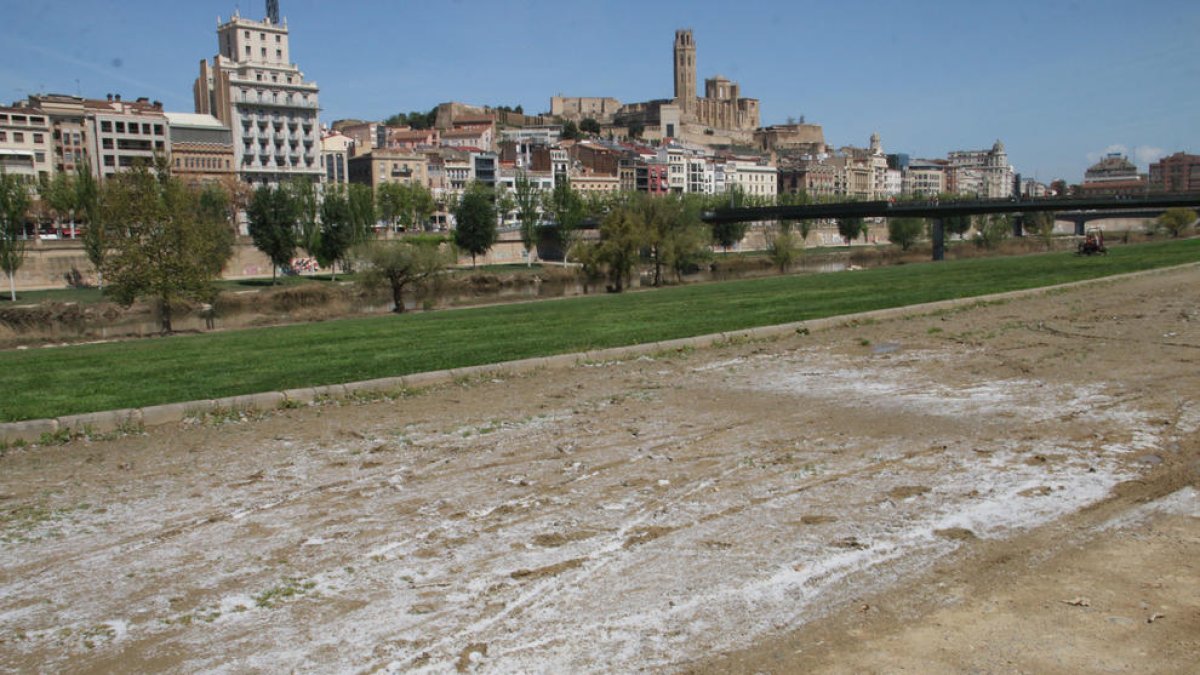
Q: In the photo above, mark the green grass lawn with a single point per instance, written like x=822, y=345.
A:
x=49, y=382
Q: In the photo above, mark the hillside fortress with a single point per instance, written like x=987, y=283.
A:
x=721, y=116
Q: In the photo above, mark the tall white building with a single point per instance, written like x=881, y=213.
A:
x=985, y=173
x=252, y=87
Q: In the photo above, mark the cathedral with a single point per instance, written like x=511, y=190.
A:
x=721, y=116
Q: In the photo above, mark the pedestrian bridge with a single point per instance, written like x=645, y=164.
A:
x=1078, y=209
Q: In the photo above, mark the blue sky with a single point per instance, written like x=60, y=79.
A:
x=1059, y=82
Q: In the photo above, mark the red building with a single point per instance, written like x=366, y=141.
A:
x=1178, y=173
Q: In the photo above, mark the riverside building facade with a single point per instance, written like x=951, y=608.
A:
x=253, y=88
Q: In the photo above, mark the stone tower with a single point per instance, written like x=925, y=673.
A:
x=685, y=70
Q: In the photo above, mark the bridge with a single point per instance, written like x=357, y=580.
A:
x=1077, y=209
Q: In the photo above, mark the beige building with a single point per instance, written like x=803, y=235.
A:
x=752, y=177
x=578, y=108
x=26, y=144
x=201, y=148
x=336, y=151
x=925, y=178
x=590, y=183
x=252, y=87
x=994, y=174
x=383, y=165
x=123, y=134
x=67, y=120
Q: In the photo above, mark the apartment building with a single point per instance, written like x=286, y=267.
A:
x=26, y=144
x=336, y=151
x=252, y=87
x=123, y=134
x=995, y=175
x=1178, y=173
x=383, y=165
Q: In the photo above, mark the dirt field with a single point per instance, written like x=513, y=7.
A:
x=1008, y=488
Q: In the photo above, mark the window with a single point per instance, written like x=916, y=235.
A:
x=146, y=129
x=18, y=137
x=3, y=136
x=277, y=38
x=279, y=53
x=120, y=127
x=247, y=50
x=264, y=52
x=109, y=161
x=39, y=156
x=39, y=138
x=106, y=126
x=158, y=130
x=106, y=143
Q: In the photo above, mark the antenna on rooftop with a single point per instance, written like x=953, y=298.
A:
x=273, y=11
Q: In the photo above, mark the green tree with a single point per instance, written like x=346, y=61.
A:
x=505, y=204
x=308, y=209
x=959, y=225
x=14, y=203
x=390, y=202
x=568, y=210
x=272, y=215
x=362, y=212
x=783, y=248
x=621, y=237
x=904, y=232
x=404, y=263
x=673, y=235
x=95, y=239
x=993, y=229
x=409, y=204
x=1041, y=225
x=60, y=195
x=570, y=131
x=336, y=234
x=529, y=212
x=171, y=242
x=636, y=129
x=728, y=234
x=1176, y=220
x=850, y=228
x=589, y=125
x=475, y=221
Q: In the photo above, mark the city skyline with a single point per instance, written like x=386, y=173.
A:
x=1059, y=83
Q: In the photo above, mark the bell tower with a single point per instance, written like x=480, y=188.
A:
x=685, y=70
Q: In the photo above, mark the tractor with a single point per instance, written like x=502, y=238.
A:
x=1093, y=243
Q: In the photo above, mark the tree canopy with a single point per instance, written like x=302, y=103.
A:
x=1176, y=220
x=475, y=221
x=169, y=240
x=568, y=210
x=272, y=213
x=402, y=263
x=14, y=202
x=414, y=119
x=904, y=232
x=850, y=228
x=528, y=201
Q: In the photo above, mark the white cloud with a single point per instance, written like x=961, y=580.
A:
x=1141, y=155
x=1144, y=155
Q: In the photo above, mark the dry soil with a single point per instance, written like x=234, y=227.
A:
x=1006, y=488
